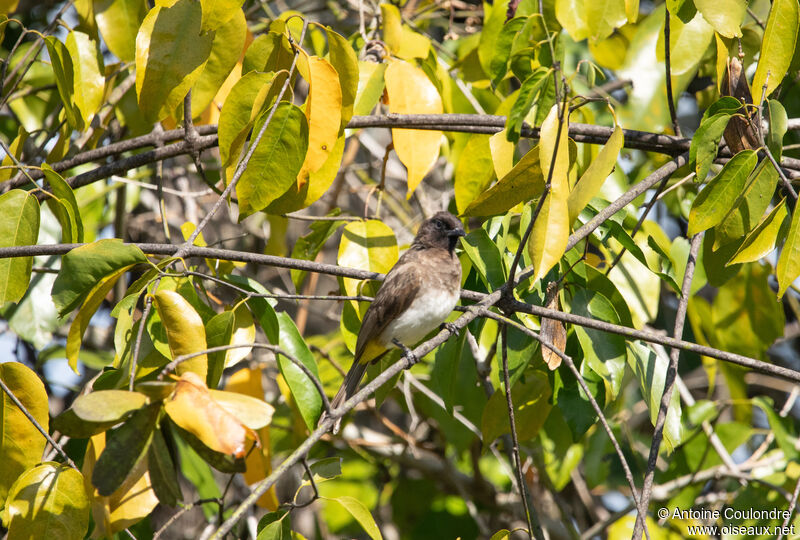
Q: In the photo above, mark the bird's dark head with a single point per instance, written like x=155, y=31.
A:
x=442, y=230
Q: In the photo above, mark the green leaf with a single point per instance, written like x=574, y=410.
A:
x=307, y=247
x=275, y=526
x=746, y=317
x=83, y=267
x=88, y=79
x=789, y=261
x=444, y=375
x=705, y=141
x=725, y=16
x=777, y=127
x=344, y=60
x=163, y=474
x=63, y=70
x=224, y=463
x=118, y=22
x=749, y=206
x=71, y=425
x=277, y=160
x=498, y=65
x=651, y=371
x=531, y=87
x=94, y=298
x=485, y=257
x=261, y=308
x=270, y=52
x=125, y=446
x=715, y=201
x=64, y=206
x=197, y=471
x=48, y=501
x=592, y=180
x=21, y=444
x=777, y=47
x=326, y=468
x=107, y=405
x=219, y=331
x=531, y=399
x=218, y=12
x=494, y=19
x=246, y=100
x=762, y=240
x=782, y=428
x=521, y=184
x=186, y=333
x=226, y=49
x=19, y=226
x=474, y=170
x=361, y=514
x=604, y=354
x=171, y=51
x=370, y=87
x=304, y=392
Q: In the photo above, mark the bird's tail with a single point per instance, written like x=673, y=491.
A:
x=346, y=391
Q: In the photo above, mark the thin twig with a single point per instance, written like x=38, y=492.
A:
x=669, y=385
x=530, y=512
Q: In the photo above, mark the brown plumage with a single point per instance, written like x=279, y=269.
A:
x=419, y=292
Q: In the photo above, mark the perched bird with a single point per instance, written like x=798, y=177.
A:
x=418, y=294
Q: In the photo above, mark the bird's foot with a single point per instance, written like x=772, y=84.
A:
x=452, y=328
x=408, y=353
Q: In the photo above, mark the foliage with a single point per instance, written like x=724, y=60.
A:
x=188, y=377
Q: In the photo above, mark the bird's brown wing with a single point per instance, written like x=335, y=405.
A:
x=395, y=295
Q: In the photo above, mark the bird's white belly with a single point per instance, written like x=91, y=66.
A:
x=425, y=313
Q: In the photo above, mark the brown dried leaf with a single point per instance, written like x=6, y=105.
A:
x=552, y=330
x=740, y=134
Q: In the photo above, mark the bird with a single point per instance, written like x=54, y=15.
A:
x=417, y=295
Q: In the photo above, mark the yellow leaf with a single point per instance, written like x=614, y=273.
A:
x=592, y=180
x=502, y=153
x=559, y=185
x=21, y=444
x=132, y=502
x=402, y=41
x=194, y=409
x=259, y=461
x=323, y=111
x=48, y=501
x=411, y=92
x=367, y=245
x=186, y=333
x=550, y=234
x=244, y=332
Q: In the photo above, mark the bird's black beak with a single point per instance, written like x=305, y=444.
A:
x=456, y=233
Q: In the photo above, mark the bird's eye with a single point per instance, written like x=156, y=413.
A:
x=439, y=224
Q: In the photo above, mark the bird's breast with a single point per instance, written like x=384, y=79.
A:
x=427, y=311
